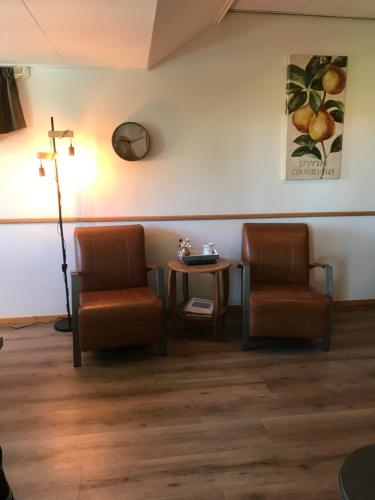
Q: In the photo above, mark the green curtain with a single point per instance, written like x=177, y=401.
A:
x=11, y=115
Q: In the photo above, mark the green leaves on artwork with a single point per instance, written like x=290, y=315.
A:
x=305, y=140
x=315, y=101
x=307, y=147
x=307, y=83
x=320, y=72
x=336, y=145
x=334, y=104
x=314, y=64
x=316, y=84
x=340, y=61
x=303, y=150
x=297, y=74
x=296, y=100
x=292, y=87
x=337, y=115
x=316, y=68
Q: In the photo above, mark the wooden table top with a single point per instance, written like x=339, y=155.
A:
x=220, y=265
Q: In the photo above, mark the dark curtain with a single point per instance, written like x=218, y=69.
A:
x=11, y=115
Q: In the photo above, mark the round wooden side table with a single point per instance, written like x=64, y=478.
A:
x=219, y=305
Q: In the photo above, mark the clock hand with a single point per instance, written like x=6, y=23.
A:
x=137, y=139
x=122, y=139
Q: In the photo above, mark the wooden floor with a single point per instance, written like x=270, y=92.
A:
x=207, y=422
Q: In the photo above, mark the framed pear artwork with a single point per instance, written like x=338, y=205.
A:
x=315, y=108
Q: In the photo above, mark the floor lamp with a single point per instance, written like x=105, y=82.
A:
x=65, y=324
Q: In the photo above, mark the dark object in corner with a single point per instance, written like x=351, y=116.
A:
x=357, y=479
x=11, y=115
x=5, y=491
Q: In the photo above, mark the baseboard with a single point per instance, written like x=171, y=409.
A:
x=234, y=308
x=338, y=305
x=344, y=305
x=30, y=320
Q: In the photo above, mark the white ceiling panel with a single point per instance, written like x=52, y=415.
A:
x=113, y=33
x=129, y=33
x=341, y=8
x=21, y=41
x=269, y=5
x=178, y=21
x=364, y=9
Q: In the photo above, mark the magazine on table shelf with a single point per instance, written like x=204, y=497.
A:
x=197, y=306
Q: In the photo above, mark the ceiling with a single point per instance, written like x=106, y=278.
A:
x=129, y=33
x=108, y=33
x=361, y=9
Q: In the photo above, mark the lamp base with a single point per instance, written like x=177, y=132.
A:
x=63, y=325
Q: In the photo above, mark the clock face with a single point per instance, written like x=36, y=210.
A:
x=131, y=141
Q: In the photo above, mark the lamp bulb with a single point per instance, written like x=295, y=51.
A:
x=71, y=149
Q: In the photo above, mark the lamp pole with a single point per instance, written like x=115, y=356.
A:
x=65, y=324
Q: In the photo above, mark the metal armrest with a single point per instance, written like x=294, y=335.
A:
x=241, y=264
x=151, y=267
x=317, y=264
x=160, y=291
x=75, y=288
x=75, y=307
x=245, y=266
x=328, y=276
x=159, y=274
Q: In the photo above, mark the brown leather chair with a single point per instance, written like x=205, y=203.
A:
x=277, y=298
x=112, y=304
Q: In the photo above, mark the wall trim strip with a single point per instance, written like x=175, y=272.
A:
x=146, y=218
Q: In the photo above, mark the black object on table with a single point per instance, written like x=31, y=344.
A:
x=357, y=475
x=195, y=259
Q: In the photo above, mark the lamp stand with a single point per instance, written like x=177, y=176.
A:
x=65, y=324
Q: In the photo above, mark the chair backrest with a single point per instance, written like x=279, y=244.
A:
x=277, y=252
x=110, y=257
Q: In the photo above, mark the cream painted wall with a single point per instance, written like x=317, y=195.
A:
x=215, y=115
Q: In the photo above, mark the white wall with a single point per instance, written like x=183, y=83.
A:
x=215, y=115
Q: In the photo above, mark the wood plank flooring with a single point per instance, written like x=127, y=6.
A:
x=207, y=422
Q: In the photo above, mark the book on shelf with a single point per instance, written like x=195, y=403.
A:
x=199, y=307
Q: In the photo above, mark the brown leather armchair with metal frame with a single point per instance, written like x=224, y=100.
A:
x=277, y=298
x=112, y=304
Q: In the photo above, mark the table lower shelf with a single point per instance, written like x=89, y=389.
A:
x=197, y=317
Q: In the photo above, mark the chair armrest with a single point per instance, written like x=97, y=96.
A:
x=159, y=275
x=75, y=308
x=317, y=264
x=75, y=288
x=245, y=266
x=151, y=267
x=328, y=278
x=241, y=264
x=245, y=279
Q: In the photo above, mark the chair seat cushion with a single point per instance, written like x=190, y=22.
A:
x=113, y=318
x=288, y=311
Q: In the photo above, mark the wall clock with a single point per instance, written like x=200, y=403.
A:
x=131, y=141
